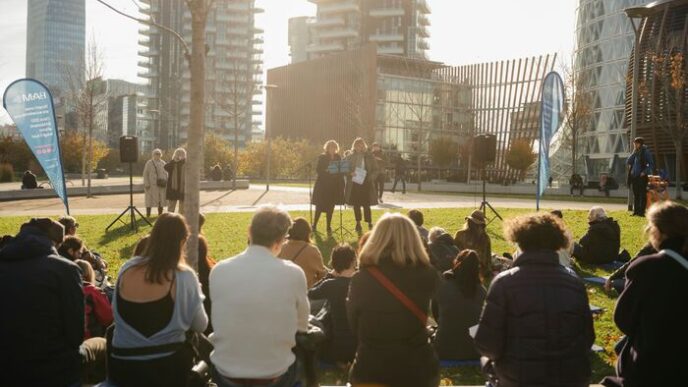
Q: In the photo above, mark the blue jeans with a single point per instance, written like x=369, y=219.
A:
x=288, y=379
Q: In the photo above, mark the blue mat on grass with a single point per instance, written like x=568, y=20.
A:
x=595, y=280
x=458, y=363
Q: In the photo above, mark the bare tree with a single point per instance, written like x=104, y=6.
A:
x=88, y=99
x=578, y=109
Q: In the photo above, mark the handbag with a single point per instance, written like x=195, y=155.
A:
x=162, y=183
x=398, y=294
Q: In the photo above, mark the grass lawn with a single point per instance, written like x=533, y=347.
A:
x=227, y=235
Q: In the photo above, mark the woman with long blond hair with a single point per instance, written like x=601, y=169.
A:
x=360, y=190
x=328, y=190
x=390, y=321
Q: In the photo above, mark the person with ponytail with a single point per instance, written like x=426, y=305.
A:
x=460, y=298
x=650, y=311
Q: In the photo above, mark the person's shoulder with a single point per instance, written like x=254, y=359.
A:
x=647, y=261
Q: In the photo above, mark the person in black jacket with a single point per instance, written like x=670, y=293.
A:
x=341, y=343
x=536, y=328
x=328, y=190
x=460, y=298
x=442, y=249
x=176, y=177
x=29, y=180
x=42, y=323
x=647, y=311
x=601, y=242
x=399, y=173
x=393, y=347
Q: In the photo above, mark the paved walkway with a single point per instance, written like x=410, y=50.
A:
x=290, y=198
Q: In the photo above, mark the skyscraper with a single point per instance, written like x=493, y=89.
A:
x=398, y=27
x=604, y=44
x=55, y=39
x=233, y=70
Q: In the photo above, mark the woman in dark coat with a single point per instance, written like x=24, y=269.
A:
x=329, y=187
x=650, y=311
x=460, y=298
x=361, y=195
x=393, y=346
x=176, y=174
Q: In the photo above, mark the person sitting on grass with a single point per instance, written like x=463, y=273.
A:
x=536, y=328
x=474, y=236
x=417, y=217
x=157, y=301
x=617, y=280
x=96, y=260
x=460, y=298
x=341, y=343
x=647, y=311
x=71, y=248
x=564, y=254
x=442, y=249
x=260, y=302
x=300, y=250
x=97, y=310
x=601, y=243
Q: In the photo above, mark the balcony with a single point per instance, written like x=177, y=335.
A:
x=148, y=53
x=148, y=74
x=387, y=12
x=423, y=44
x=338, y=33
x=329, y=22
x=326, y=47
x=338, y=7
x=390, y=50
x=145, y=64
x=423, y=6
x=387, y=37
x=423, y=20
x=423, y=32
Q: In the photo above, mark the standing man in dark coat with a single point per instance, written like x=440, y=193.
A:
x=640, y=165
x=601, y=242
x=328, y=190
x=381, y=175
x=176, y=177
x=399, y=173
x=42, y=303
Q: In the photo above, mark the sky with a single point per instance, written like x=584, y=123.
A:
x=462, y=32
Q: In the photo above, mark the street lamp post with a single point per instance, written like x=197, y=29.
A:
x=268, y=121
x=635, y=14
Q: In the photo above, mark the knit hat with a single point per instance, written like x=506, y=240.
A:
x=51, y=228
x=476, y=216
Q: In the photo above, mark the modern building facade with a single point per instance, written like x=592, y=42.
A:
x=662, y=114
x=55, y=40
x=604, y=42
x=127, y=116
x=233, y=70
x=300, y=37
x=398, y=27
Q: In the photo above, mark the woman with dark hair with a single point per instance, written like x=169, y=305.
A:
x=302, y=252
x=71, y=248
x=157, y=300
x=205, y=265
x=328, y=190
x=360, y=190
x=649, y=311
x=474, y=236
x=536, y=328
x=393, y=346
x=460, y=298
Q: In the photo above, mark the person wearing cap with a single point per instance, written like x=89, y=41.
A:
x=640, y=164
x=155, y=182
x=601, y=242
x=474, y=236
x=43, y=309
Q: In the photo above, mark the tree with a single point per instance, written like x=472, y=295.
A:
x=288, y=158
x=216, y=150
x=520, y=156
x=578, y=109
x=443, y=151
x=671, y=80
x=71, y=145
x=87, y=98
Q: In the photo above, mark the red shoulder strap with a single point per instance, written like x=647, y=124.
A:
x=398, y=294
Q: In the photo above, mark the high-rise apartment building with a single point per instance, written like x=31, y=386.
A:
x=604, y=44
x=398, y=27
x=233, y=70
x=300, y=33
x=55, y=40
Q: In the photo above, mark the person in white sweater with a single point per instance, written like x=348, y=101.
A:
x=259, y=303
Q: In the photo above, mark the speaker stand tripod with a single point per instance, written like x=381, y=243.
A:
x=132, y=210
x=484, y=205
x=341, y=230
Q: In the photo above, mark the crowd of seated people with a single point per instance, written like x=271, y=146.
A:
x=529, y=323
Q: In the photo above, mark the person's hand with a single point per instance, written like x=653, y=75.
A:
x=608, y=285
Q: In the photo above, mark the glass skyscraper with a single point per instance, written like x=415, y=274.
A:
x=604, y=43
x=55, y=39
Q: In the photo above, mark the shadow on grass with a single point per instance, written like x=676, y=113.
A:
x=123, y=229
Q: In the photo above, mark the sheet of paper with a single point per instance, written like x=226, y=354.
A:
x=359, y=175
x=473, y=330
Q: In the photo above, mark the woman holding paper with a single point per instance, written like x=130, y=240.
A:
x=329, y=185
x=360, y=191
